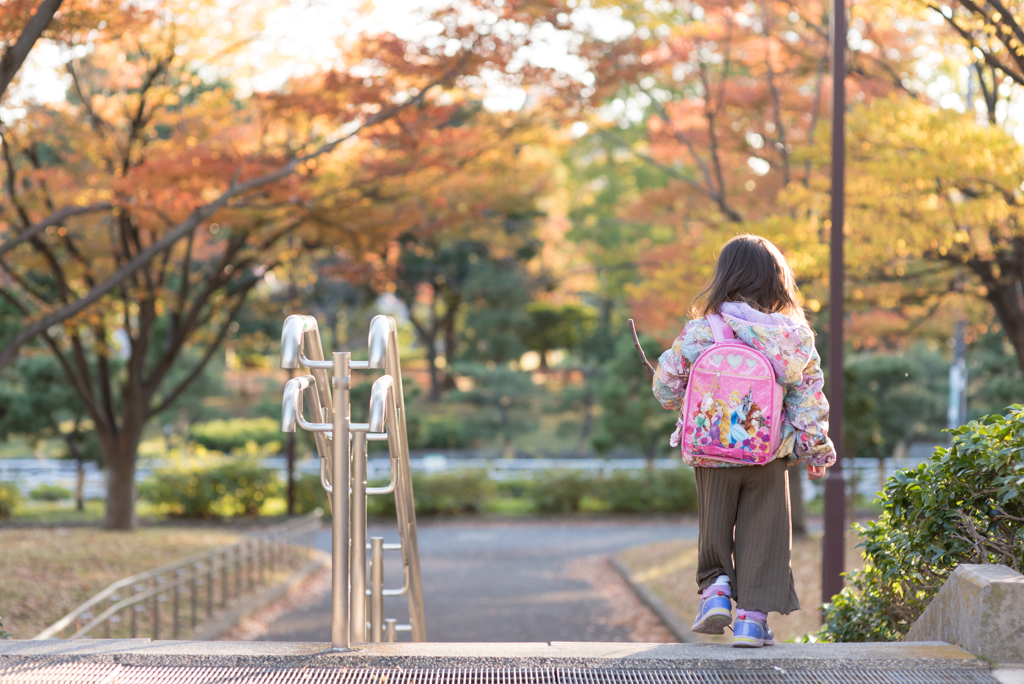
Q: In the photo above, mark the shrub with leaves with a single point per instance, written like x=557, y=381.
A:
x=48, y=492
x=236, y=433
x=10, y=497
x=670, y=490
x=964, y=505
x=452, y=493
x=211, y=486
x=562, y=491
x=4, y=634
x=310, y=494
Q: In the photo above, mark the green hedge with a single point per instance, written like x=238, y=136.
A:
x=236, y=433
x=48, y=492
x=964, y=505
x=211, y=487
x=556, y=492
x=657, y=491
x=660, y=491
x=10, y=498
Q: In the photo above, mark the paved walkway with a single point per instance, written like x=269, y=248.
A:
x=500, y=582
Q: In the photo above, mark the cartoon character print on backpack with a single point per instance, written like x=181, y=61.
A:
x=739, y=423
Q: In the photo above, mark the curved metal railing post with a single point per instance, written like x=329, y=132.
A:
x=358, y=527
x=376, y=589
x=340, y=529
x=342, y=448
x=404, y=501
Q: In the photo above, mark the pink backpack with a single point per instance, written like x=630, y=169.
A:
x=732, y=410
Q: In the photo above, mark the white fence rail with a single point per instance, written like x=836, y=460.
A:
x=28, y=473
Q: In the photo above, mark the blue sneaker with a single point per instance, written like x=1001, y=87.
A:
x=751, y=633
x=713, y=614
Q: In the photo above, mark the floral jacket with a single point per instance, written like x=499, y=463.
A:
x=789, y=347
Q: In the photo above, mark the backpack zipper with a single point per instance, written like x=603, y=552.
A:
x=737, y=375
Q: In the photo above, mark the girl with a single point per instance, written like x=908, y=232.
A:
x=745, y=535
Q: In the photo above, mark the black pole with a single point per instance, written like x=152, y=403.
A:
x=832, y=560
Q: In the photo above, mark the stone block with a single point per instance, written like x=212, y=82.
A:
x=980, y=609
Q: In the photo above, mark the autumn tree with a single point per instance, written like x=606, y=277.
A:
x=196, y=193
x=720, y=99
x=461, y=263
x=556, y=326
x=948, y=190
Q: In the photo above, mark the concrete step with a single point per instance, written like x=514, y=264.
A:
x=142, y=660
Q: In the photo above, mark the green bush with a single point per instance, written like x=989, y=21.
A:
x=452, y=493
x=562, y=491
x=515, y=489
x=234, y=434
x=659, y=491
x=48, y=492
x=309, y=494
x=555, y=492
x=3, y=633
x=964, y=505
x=10, y=498
x=209, y=487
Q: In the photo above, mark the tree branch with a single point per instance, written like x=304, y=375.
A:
x=200, y=214
x=210, y=350
x=53, y=219
x=14, y=56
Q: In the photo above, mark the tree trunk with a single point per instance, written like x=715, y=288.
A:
x=450, y=341
x=121, y=488
x=506, y=432
x=290, y=460
x=435, y=378
x=1006, y=294
x=796, y=500
x=587, y=425
x=80, y=486
x=69, y=439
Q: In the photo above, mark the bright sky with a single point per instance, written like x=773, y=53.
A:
x=301, y=38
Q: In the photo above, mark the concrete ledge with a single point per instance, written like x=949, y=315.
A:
x=980, y=609
x=142, y=652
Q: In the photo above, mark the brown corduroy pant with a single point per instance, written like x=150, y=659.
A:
x=745, y=533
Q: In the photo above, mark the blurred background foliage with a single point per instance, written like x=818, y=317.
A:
x=511, y=238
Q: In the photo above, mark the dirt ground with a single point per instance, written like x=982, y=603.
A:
x=46, y=573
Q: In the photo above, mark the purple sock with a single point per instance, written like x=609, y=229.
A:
x=751, y=615
x=715, y=589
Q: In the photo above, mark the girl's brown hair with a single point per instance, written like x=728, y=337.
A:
x=752, y=270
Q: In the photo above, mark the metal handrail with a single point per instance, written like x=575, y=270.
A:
x=341, y=444
x=193, y=571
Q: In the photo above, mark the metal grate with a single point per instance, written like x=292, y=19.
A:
x=90, y=673
x=49, y=673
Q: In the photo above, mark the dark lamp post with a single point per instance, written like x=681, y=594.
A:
x=832, y=560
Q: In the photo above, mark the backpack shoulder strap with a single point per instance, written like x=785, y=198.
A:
x=720, y=329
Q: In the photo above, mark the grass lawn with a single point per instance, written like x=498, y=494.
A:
x=668, y=570
x=46, y=572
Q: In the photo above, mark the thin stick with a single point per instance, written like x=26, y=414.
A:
x=639, y=349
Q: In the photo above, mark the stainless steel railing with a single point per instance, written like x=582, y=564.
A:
x=341, y=444
x=216, y=578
